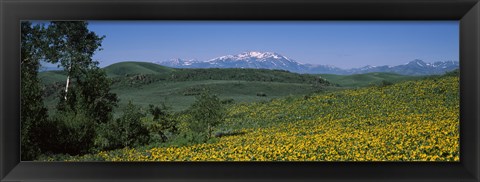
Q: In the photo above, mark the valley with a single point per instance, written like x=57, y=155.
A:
x=148, y=83
x=298, y=116
x=340, y=95
x=377, y=123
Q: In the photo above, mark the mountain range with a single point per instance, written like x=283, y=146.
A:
x=271, y=60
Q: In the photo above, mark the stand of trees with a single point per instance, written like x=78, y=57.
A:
x=33, y=113
x=83, y=121
x=206, y=113
x=86, y=100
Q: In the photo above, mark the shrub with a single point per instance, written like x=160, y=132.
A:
x=66, y=132
x=228, y=133
x=162, y=126
x=228, y=101
x=206, y=113
x=385, y=83
x=455, y=72
x=126, y=131
x=261, y=94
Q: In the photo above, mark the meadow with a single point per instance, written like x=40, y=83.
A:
x=139, y=111
x=407, y=121
x=367, y=79
x=147, y=83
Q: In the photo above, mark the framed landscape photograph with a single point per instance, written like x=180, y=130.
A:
x=244, y=90
x=363, y=91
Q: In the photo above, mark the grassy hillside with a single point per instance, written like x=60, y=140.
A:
x=361, y=80
x=180, y=95
x=149, y=83
x=135, y=68
x=409, y=121
x=143, y=72
x=50, y=77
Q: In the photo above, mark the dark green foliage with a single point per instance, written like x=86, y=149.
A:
x=67, y=132
x=83, y=105
x=33, y=112
x=126, y=131
x=385, y=83
x=228, y=133
x=162, y=126
x=87, y=99
x=72, y=45
x=263, y=75
x=367, y=79
x=261, y=94
x=228, y=101
x=52, y=89
x=96, y=92
x=92, y=94
x=455, y=72
x=206, y=113
x=138, y=73
x=157, y=112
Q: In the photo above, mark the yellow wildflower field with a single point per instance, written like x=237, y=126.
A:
x=409, y=121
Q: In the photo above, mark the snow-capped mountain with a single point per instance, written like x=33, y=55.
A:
x=415, y=67
x=264, y=60
x=253, y=59
x=179, y=63
x=271, y=60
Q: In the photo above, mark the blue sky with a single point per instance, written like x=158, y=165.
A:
x=344, y=44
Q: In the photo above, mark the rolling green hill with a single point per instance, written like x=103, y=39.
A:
x=49, y=77
x=134, y=73
x=180, y=95
x=409, y=121
x=134, y=68
x=149, y=83
x=361, y=80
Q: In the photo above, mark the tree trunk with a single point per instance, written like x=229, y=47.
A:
x=209, y=128
x=68, y=82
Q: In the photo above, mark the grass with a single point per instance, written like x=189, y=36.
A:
x=133, y=68
x=50, y=77
x=409, y=121
x=367, y=79
x=149, y=83
x=180, y=95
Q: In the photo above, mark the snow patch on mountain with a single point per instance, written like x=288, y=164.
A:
x=272, y=60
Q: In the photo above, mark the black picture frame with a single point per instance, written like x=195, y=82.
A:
x=466, y=11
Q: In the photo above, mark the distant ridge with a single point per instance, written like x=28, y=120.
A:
x=272, y=60
x=132, y=68
x=45, y=68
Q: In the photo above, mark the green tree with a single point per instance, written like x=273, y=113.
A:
x=126, y=131
x=385, y=83
x=163, y=124
x=72, y=45
x=86, y=97
x=68, y=132
x=206, y=113
x=96, y=97
x=33, y=112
